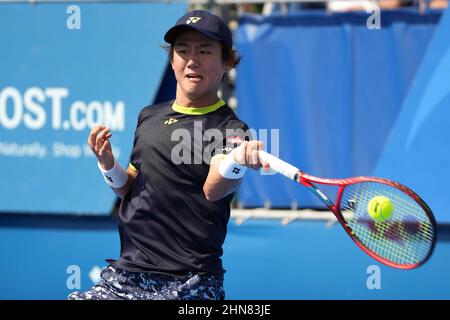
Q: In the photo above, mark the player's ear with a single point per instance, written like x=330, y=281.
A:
x=225, y=56
x=227, y=67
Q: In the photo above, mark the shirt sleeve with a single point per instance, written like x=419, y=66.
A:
x=135, y=157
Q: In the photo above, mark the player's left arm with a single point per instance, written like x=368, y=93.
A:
x=216, y=185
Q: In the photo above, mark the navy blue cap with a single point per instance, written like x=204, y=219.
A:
x=203, y=21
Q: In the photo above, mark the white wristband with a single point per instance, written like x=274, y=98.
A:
x=115, y=177
x=230, y=169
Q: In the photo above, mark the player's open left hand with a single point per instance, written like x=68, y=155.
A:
x=99, y=142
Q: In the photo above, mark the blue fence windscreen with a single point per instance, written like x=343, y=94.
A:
x=330, y=86
x=418, y=149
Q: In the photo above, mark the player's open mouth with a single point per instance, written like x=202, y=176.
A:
x=194, y=77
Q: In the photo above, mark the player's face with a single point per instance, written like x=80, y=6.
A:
x=198, y=66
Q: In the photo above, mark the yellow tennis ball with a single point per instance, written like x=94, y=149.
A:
x=380, y=208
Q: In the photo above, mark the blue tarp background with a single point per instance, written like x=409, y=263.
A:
x=418, y=149
x=332, y=87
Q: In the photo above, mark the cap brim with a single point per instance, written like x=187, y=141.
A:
x=172, y=34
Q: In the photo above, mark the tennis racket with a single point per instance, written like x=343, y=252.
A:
x=405, y=240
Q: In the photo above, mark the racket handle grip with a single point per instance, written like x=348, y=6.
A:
x=279, y=165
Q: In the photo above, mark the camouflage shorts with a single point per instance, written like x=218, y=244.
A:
x=119, y=284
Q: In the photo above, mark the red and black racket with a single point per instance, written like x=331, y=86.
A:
x=404, y=240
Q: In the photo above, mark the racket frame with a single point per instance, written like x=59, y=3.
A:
x=309, y=182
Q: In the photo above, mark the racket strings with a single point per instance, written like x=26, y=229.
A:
x=405, y=238
x=377, y=233
x=378, y=245
x=377, y=236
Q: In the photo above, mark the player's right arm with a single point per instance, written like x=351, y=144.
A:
x=100, y=145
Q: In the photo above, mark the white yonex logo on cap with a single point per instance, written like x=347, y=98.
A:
x=193, y=20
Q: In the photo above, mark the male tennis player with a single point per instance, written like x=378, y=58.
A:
x=176, y=193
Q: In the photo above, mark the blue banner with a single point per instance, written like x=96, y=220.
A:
x=64, y=69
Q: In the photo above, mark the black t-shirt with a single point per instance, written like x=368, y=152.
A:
x=165, y=222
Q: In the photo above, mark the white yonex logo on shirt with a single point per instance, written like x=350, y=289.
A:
x=170, y=121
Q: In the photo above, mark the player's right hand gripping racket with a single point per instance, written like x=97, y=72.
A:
x=403, y=239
